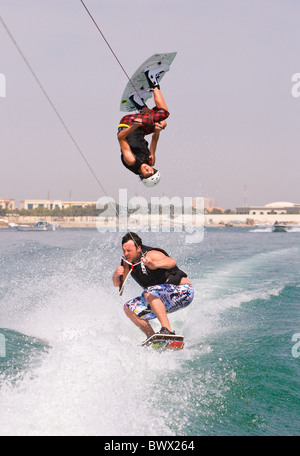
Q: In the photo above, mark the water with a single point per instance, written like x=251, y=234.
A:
x=73, y=365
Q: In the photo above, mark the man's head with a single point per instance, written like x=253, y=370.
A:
x=132, y=246
x=149, y=176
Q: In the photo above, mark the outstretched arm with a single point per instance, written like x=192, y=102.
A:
x=155, y=137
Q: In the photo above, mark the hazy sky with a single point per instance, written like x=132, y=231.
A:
x=233, y=121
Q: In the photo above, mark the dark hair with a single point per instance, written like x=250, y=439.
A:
x=132, y=237
x=142, y=177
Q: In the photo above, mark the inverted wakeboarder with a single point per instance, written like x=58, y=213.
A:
x=136, y=155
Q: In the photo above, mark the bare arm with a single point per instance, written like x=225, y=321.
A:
x=128, y=156
x=155, y=137
x=121, y=270
x=153, y=146
x=155, y=260
x=127, y=153
x=124, y=133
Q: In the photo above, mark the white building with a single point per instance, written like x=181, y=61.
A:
x=54, y=204
x=7, y=203
x=272, y=208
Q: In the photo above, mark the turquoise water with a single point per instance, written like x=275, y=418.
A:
x=70, y=363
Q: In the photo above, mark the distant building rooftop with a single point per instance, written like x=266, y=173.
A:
x=54, y=204
x=7, y=203
x=279, y=207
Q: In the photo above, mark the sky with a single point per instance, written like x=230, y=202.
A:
x=233, y=125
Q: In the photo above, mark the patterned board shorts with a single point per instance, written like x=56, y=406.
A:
x=174, y=297
x=148, y=120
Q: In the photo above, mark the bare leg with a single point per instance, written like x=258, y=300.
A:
x=142, y=324
x=159, y=99
x=159, y=310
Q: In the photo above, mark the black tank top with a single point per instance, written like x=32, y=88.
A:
x=146, y=277
x=139, y=147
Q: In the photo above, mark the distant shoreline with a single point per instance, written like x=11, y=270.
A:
x=242, y=220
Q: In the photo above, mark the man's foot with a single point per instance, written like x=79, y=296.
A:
x=152, y=76
x=164, y=330
x=138, y=101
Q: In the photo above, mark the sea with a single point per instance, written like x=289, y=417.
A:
x=71, y=362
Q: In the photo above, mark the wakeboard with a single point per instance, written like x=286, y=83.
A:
x=138, y=82
x=164, y=342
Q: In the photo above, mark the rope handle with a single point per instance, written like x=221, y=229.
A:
x=121, y=281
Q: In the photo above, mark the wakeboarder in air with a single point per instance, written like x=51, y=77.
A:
x=166, y=288
x=135, y=153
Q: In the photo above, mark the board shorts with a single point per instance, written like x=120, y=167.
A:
x=174, y=297
x=148, y=120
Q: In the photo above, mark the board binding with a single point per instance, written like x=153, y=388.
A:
x=138, y=83
x=165, y=341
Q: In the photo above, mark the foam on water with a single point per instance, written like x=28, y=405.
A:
x=92, y=379
x=85, y=374
x=232, y=285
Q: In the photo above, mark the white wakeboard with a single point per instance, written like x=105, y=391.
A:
x=138, y=82
x=164, y=341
